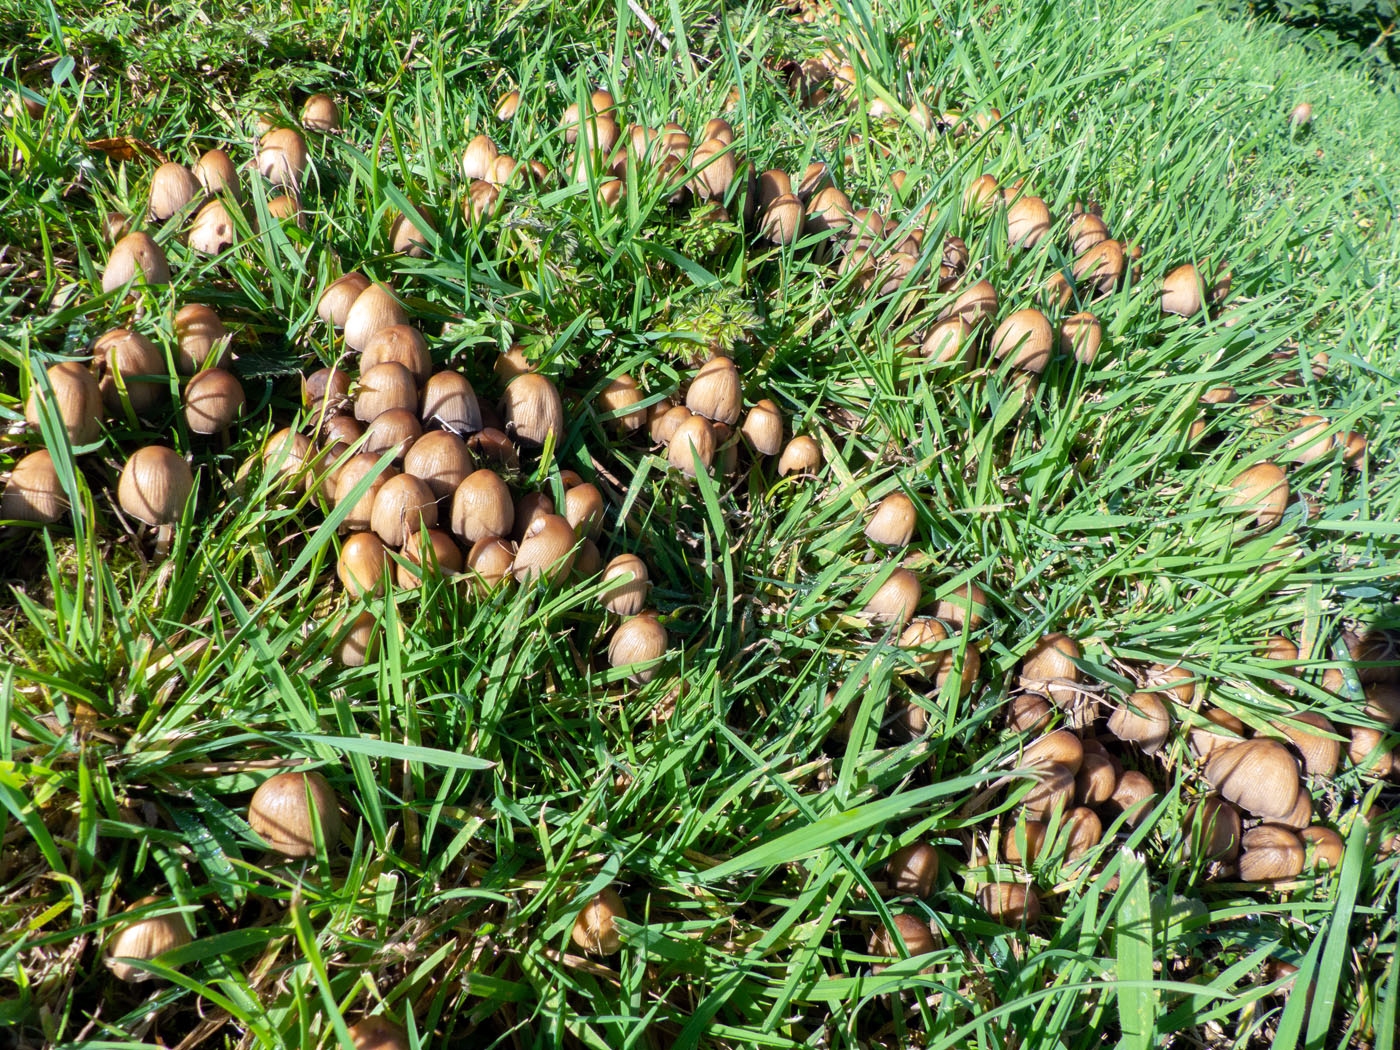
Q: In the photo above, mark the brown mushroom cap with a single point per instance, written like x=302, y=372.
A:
x=441, y=459
x=533, y=409
x=913, y=869
x=595, y=929
x=76, y=397
x=1324, y=845
x=403, y=344
x=1321, y=751
x=763, y=428
x=33, y=492
x=378, y=1033
x=907, y=930
x=173, y=186
x=640, y=640
x=334, y=305
x=1258, y=775
x=283, y=157
x=1049, y=668
x=213, y=400
x=716, y=391
x=892, y=523
x=1053, y=790
x=200, y=338
x=146, y=939
x=626, y=583
x=1213, y=826
x=1142, y=719
x=281, y=813
x=1259, y=493
x=1010, y=903
x=1027, y=338
x=373, y=310
x=136, y=254
x=896, y=599
x=404, y=505
x=1271, y=853
x=154, y=486
x=802, y=455
x=132, y=367
x=1030, y=713
x=482, y=507
x=547, y=549
x=320, y=113
x=1182, y=292
x=1027, y=221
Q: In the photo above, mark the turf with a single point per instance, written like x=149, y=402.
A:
x=494, y=770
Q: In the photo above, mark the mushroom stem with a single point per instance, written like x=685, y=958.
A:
x=165, y=535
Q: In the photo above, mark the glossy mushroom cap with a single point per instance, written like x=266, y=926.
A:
x=281, y=813
x=154, y=486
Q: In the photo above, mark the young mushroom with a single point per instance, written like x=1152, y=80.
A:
x=896, y=600
x=145, y=939
x=33, y=492
x=1258, y=775
x=892, y=523
x=75, y=397
x=595, y=928
x=913, y=869
x=287, y=810
x=213, y=400
x=154, y=486
x=639, y=641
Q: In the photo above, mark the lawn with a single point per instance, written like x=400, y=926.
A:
x=999, y=403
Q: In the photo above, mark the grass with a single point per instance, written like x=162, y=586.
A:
x=496, y=773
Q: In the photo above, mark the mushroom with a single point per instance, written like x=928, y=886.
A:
x=441, y=459
x=892, y=523
x=216, y=174
x=213, y=400
x=1143, y=720
x=34, y=492
x=1029, y=713
x=286, y=810
x=173, y=186
x=1132, y=796
x=1027, y=338
x=131, y=368
x=583, y=509
x=638, y=642
x=448, y=399
x=1053, y=790
x=981, y=195
x=373, y=309
x=320, y=113
x=907, y=930
x=489, y=562
x=1085, y=831
x=626, y=582
x=508, y=105
x=355, y=470
x=286, y=457
x=363, y=565
x=479, y=159
x=339, y=296
x=694, y=439
x=1322, y=750
x=546, y=550
x=482, y=507
x=200, y=338
x=1213, y=829
x=385, y=387
x=1085, y=232
x=1097, y=778
x=617, y=401
x=410, y=236
x=964, y=604
x=135, y=255
x=378, y=1033
x=1081, y=335
x=533, y=409
x=402, y=344
x=1010, y=903
x=895, y=600
x=1258, y=775
x=763, y=428
x=1027, y=221
x=949, y=342
x=76, y=399
x=1024, y=842
x=1049, y=668
x=782, y=220
x=430, y=551
x=595, y=929
x=211, y=229
x=1271, y=854
x=1182, y=292
x=913, y=869
x=716, y=392
x=404, y=505
x=714, y=169
x=801, y=456
x=1206, y=740
x=1100, y=268
x=397, y=429
x=146, y=939
x=1259, y=494
x=154, y=487
x=1060, y=746
x=282, y=157
x=1324, y=846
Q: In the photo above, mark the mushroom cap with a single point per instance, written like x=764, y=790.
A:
x=154, y=486
x=213, y=400
x=627, y=582
x=1085, y=231
x=1100, y=268
x=913, y=869
x=693, y=438
x=1218, y=825
x=533, y=409
x=896, y=600
x=482, y=507
x=1081, y=335
x=976, y=303
x=909, y=930
x=173, y=186
x=583, y=509
x=76, y=397
x=1029, y=713
x=1183, y=292
x=403, y=506
x=280, y=813
x=1097, y=778
x=211, y=229
x=363, y=562
x=33, y=492
x=320, y=113
x=373, y=309
x=1027, y=221
x=427, y=553
x=1027, y=338
x=1271, y=853
x=403, y=344
x=763, y=428
x=334, y=305
x=714, y=169
x=595, y=929
x=782, y=220
x=479, y=159
x=892, y=524
x=1060, y=746
x=1010, y=903
x=639, y=640
x=1325, y=845
x=1053, y=789
x=617, y=401
x=716, y=391
x=146, y=939
x=441, y=459
x=1132, y=795
x=135, y=254
x=131, y=366
x=1258, y=775
x=282, y=157
x=216, y=174
x=965, y=603
x=200, y=338
x=546, y=550
x=448, y=399
x=1142, y=719
x=1321, y=751
x=378, y=1033
x=1049, y=668
x=508, y=105
x=1259, y=493
x=1022, y=842
x=802, y=455
x=384, y=387
x=949, y=342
